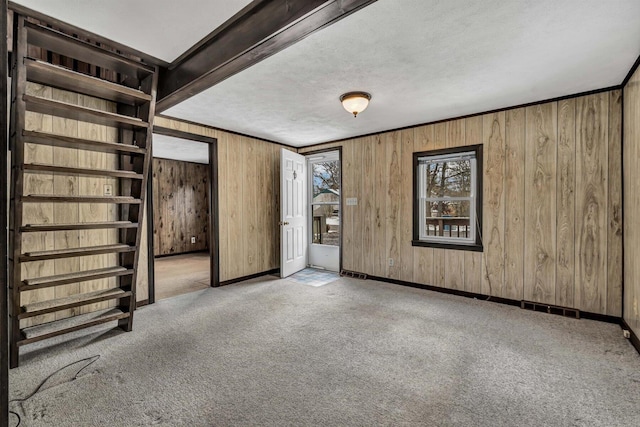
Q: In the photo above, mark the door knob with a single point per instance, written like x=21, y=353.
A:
x=284, y=223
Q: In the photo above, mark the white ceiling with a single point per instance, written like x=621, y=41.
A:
x=161, y=28
x=425, y=60
x=168, y=147
x=422, y=60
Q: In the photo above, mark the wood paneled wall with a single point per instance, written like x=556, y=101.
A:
x=551, y=204
x=632, y=203
x=248, y=200
x=68, y=212
x=181, y=206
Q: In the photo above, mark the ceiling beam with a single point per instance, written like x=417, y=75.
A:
x=262, y=29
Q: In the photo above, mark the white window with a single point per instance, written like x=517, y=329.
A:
x=448, y=198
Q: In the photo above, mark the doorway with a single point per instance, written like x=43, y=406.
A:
x=182, y=223
x=324, y=209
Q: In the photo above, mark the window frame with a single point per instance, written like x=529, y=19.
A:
x=476, y=243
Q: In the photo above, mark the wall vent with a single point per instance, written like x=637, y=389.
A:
x=551, y=309
x=353, y=274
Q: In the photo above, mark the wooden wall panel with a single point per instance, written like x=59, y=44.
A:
x=614, y=221
x=406, y=201
x=379, y=230
x=248, y=199
x=631, y=214
x=358, y=210
x=349, y=247
x=423, y=258
x=473, y=260
x=591, y=201
x=565, y=182
x=494, y=211
x=181, y=206
x=532, y=185
x=540, y=203
x=367, y=202
x=393, y=144
x=514, y=196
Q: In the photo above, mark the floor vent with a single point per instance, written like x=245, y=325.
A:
x=551, y=309
x=353, y=274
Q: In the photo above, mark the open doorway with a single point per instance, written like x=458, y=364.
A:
x=325, y=210
x=184, y=257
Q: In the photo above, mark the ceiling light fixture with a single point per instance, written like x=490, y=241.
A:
x=355, y=102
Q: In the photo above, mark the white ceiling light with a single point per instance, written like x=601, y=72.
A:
x=355, y=102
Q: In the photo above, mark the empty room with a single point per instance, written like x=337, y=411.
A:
x=320, y=213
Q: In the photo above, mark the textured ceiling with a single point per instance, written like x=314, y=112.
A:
x=425, y=60
x=162, y=28
x=422, y=60
x=168, y=147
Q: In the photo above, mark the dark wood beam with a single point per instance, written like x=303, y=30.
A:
x=4, y=315
x=262, y=29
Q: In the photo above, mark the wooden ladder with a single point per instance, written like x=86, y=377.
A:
x=37, y=310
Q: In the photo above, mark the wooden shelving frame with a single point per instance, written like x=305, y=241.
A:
x=134, y=93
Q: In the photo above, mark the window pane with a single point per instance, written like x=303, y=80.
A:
x=448, y=178
x=326, y=181
x=326, y=224
x=448, y=219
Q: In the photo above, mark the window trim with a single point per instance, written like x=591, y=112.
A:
x=476, y=245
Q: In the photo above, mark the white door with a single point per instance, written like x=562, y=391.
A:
x=293, y=213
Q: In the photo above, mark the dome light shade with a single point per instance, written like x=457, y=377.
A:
x=355, y=102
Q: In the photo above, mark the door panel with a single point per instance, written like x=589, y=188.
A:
x=293, y=219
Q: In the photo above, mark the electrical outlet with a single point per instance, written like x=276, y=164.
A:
x=193, y=239
x=391, y=262
x=107, y=190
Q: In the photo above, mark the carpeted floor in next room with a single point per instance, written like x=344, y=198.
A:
x=273, y=352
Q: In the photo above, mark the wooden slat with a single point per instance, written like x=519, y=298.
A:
x=473, y=260
x=77, y=112
x=64, y=326
x=514, y=204
x=591, y=203
x=41, y=198
x=368, y=204
x=73, y=301
x=63, y=78
x=379, y=224
x=392, y=225
x=43, y=138
x=74, y=48
x=61, y=170
x=423, y=258
x=494, y=203
x=78, y=226
x=75, y=252
x=540, y=203
x=81, y=276
x=566, y=203
x=615, y=219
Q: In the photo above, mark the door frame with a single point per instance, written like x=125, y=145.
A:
x=342, y=198
x=214, y=214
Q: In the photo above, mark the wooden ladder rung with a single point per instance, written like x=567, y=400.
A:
x=63, y=78
x=73, y=301
x=81, y=276
x=74, y=252
x=85, y=114
x=64, y=326
x=63, y=44
x=52, y=198
x=63, y=170
x=78, y=226
x=43, y=138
